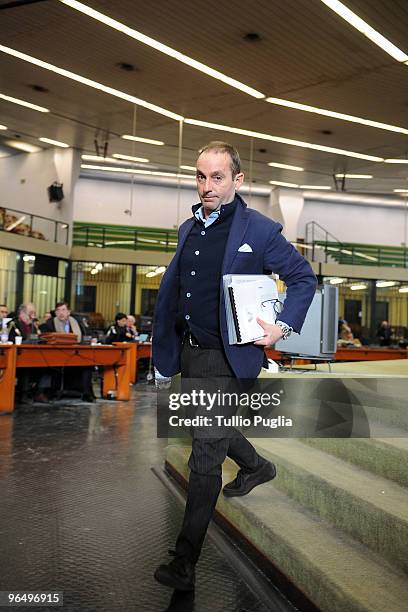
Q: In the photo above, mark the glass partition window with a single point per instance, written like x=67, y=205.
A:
x=44, y=281
x=8, y=278
x=148, y=279
x=365, y=304
x=101, y=290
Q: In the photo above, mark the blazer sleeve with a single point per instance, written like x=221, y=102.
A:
x=282, y=258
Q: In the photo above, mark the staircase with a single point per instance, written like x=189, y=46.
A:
x=335, y=519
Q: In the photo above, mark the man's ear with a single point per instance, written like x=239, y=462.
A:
x=239, y=179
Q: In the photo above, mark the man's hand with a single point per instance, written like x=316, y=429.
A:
x=273, y=333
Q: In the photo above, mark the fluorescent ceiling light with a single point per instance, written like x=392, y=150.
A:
x=326, y=187
x=335, y=115
x=41, y=109
x=22, y=146
x=285, y=166
x=192, y=168
x=400, y=190
x=283, y=184
x=140, y=139
x=363, y=27
x=288, y=141
x=396, y=161
x=56, y=143
x=358, y=287
x=355, y=176
x=384, y=283
x=142, y=160
x=80, y=79
x=134, y=171
x=3, y=127
x=151, y=42
x=336, y=280
x=403, y=290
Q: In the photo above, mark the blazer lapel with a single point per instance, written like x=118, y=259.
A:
x=236, y=235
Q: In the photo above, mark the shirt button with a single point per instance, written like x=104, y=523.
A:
x=192, y=272
x=188, y=294
x=187, y=317
x=196, y=252
x=202, y=232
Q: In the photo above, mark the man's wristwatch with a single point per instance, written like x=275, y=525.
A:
x=286, y=329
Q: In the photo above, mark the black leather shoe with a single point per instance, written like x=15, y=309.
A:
x=246, y=481
x=179, y=574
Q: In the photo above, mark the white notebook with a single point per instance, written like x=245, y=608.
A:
x=248, y=296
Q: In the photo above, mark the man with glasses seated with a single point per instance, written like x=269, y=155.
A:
x=75, y=378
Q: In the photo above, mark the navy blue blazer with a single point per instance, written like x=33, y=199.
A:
x=271, y=252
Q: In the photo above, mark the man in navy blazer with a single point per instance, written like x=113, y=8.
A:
x=190, y=333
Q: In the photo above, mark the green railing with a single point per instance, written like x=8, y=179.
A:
x=364, y=254
x=124, y=237
x=322, y=246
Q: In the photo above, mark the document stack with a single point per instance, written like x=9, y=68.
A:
x=248, y=296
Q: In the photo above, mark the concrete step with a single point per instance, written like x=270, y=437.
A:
x=387, y=457
x=336, y=572
x=366, y=506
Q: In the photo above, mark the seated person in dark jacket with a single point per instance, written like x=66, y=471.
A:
x=35, y=380
x=119, y=332
x=78, y=378
x=24, y=324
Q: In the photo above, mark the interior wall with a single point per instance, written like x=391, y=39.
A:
x=358, y=223
x=104, y=201
x=24, y=179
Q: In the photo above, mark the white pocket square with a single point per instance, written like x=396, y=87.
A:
x=245, y=248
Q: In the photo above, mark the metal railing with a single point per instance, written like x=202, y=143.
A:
x=124, y=237
x=322, y=246
x=33, y=226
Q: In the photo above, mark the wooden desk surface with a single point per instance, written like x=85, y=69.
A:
x=115, y=359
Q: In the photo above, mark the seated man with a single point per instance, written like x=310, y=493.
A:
x=24, y=324
x=36, y=381
x=120, y=332
x=3, y=313
x=78, y=378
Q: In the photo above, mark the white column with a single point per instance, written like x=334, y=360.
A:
x=286, y=206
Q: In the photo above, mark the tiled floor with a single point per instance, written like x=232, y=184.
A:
x=82, y=512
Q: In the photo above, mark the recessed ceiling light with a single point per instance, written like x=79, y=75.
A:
x=403, y=290
x=288, y=141
x=140, y=139
x=142, y=160
x=355, y=176
x=252, y=36
x=126, y=66
x=400, y=190
x=135, y=171
x=384, y=283
x=285, y=166
x=336, y=280
x=363, y=27
x=396, y=161
x=22, y=146
x=56, y=143
x=192, y=168
x=41, y=109
x=358, y=287
x=335, y=115
x=39, y=88
x=315, y=187
x=283, y=184
x=94, y=84
x=3, y=127
x=151, y=42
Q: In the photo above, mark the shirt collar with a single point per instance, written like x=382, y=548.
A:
x=198, y=212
